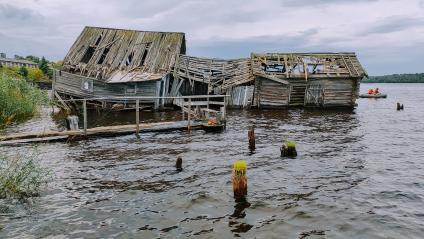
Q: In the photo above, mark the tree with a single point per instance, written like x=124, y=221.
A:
x=35, y=74
x=33, y=59
x=44, y=66
x=23, y=71
x=57, y=65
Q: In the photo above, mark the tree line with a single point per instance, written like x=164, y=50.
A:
x=396, y=78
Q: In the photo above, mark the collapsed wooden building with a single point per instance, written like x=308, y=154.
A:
x=107, y=62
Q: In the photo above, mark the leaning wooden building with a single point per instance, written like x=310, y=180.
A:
x=106, y=62
x=111, y=62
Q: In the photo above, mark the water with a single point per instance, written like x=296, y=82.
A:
x=359, y=174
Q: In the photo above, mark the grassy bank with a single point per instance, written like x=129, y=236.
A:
x=21, y=177
x=19, y=100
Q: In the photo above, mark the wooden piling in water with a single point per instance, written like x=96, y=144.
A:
x=288, y=149
x=251, y=137
x=240, y=180
x=179, y=164
x=399, y=106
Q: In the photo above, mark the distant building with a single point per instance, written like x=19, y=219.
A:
x=4, y=61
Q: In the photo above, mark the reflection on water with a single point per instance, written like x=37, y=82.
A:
x=358, y=175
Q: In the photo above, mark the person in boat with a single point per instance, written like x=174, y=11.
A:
x=370, y=91
x=376, y=92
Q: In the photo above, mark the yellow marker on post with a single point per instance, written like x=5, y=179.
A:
x=240, y=180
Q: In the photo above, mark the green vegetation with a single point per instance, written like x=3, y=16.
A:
x=32, y=74
x=396, y=78
x=21, y=178
x=291, y=144
x=44, y=71
x=19, y=100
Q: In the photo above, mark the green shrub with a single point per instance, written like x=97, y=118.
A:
x=19, y=100
x=20, y=178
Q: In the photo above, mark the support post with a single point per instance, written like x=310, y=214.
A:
x=225, y=108
x=189, y=114
x=182, y=108
x=137, y=117
x=84, y=104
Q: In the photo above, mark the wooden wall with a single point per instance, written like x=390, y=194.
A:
x=332, y=92
x=241, y=96
x=269, y=93
x=71, y=84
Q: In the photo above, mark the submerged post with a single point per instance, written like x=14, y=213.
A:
x=251, y=136
x=84, y=104
x=137, y=117
x=288, y=149
x=179, y=164
x=189, y=114
x=399, y=106
x=240, y=180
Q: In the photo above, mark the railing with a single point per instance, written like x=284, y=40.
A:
x=195, y=100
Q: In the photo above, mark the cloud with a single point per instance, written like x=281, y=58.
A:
x=296, y=3
x=12, y=15
x=394, y=24
x=240, y=48
x=227, y=29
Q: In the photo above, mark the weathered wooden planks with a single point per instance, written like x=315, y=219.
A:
x=93, y=132
x=127, y=50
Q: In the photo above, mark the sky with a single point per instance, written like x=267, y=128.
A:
x=387, y=35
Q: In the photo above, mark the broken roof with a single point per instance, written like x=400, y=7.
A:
x=118, y=55
x=308, y=65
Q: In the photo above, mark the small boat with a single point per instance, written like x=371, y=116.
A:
x=213, y=125
x=213, y=128
x=379, y=95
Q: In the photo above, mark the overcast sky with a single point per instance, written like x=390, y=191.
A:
x=387, y=35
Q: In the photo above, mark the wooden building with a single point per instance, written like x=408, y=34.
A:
x=9, y=62
x=307, y=79
x=277, y=79
x=106, y=62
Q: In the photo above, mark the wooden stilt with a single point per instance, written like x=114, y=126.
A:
x=137, y=117
x=84, y=103
x=189, y=114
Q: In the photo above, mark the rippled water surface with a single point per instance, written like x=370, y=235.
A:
x=359, y=174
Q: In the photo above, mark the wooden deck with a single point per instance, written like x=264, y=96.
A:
x=49, y=136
